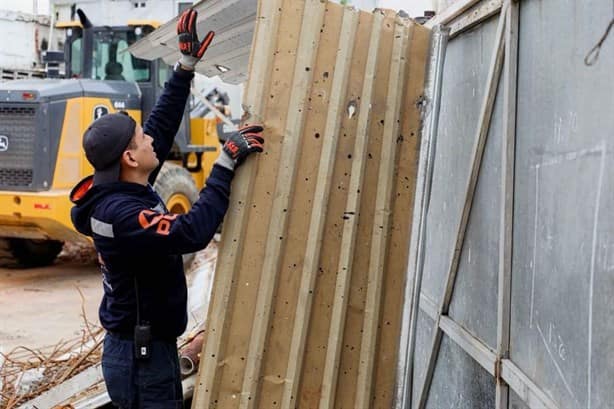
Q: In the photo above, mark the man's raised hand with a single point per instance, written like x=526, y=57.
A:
x=192, y=50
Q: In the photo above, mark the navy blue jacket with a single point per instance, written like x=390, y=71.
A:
x=136, y=237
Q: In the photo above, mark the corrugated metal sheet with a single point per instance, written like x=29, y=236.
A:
x=233, y=22
x=307, y=300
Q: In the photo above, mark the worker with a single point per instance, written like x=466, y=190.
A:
x=139, y=244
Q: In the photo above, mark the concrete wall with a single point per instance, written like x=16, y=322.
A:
x=120, y=11
x=27, y=33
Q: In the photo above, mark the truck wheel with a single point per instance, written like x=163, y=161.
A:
x=20, y=253
x=176, y=187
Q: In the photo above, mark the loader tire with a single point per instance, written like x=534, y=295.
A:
x=177, y=189
x=26, y=253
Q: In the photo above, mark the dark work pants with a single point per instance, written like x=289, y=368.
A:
x=154, y=383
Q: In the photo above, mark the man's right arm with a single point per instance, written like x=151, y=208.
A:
x=146, y=231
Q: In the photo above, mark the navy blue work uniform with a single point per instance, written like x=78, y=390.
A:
x=140, y=246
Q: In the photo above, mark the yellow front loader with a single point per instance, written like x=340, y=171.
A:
x=41, y=127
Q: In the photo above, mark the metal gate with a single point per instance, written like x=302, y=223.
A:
x=512, y=256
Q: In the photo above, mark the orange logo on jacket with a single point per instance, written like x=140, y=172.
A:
x=149, y=218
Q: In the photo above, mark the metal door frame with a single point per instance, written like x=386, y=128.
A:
x=504, y=60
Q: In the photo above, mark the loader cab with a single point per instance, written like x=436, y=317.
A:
x=100, y=53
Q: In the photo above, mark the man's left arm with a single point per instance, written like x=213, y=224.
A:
x=164, y=120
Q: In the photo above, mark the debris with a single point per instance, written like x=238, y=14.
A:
x=26, y=373
x=200, y=281
x=29, y=380
x=189, y=357
x=78, y=252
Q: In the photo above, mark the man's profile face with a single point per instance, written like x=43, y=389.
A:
x=142, y=150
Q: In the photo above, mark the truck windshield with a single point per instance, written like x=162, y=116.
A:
x=112, y=61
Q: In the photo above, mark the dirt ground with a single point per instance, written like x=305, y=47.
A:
x=41, y=306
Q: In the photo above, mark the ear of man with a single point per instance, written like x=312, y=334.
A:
x=128, y=159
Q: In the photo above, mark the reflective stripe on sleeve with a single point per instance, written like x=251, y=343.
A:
x=101, y=228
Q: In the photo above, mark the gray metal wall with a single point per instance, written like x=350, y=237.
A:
x=530, y=319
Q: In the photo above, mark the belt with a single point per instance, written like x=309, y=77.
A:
x=125, y=336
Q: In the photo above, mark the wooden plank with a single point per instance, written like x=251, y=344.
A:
x=96, y=396
x=350, y=224
x=320, y=203
x=428, y=306
x=67, y=389
x=381, y=222
x=524, y=387
x=469, y=343
x=231, y=247
x=475, y=16
x=507, y=199
x=212, y=108
x=308, y=44
x=476, y=160
x=451, y=12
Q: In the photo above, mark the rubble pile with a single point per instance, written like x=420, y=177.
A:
x=26, y=373
x=78, y=252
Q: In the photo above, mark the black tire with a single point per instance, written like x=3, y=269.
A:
x=175, y=182
x=25, y=253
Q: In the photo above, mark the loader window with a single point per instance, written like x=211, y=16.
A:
x=75, y=57
x=113, y=62
x=74, y=52
x=163, y=73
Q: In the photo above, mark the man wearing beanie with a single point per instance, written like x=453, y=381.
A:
x=139, y=243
